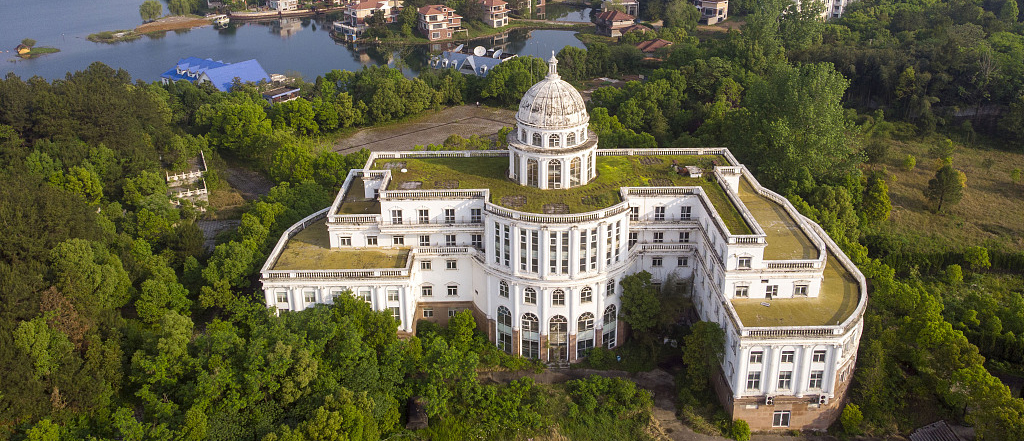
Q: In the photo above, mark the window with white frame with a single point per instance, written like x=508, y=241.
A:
x=587, y=295
x=451, y=264
x=756, y=357
x=503, y=289
x=754, y=380
x=335, y=293
x=659, y=237
x=475, y=215
x=610, y=289
x=396, y=217
x=788, y=356
x=371, y=240
x=800, y=290
x=785, y=380
x=816, y=380
x=743, y=263
x=398, y=240
x=425, y=265
x=530, y=296
x=427, y=291
x=659, y=214
x=684, y=212
x=477, y=240
x=632, y=239
x=453, y=290
x=771, y=291
x=742, y=292
x=392, y=294
x=423, y=216
x=780, y=418
x=366, y=295
x=684, y=236
x=558, y=298
x=452, y=312
x=428, y=312
x=282, y=297
x=656, y=261
x=424, y=240
x=634, y=213
x=345, y=241
x=449, y=215
x=818, y=356
x=682, y=261
x=396, y=315
x=309, y=296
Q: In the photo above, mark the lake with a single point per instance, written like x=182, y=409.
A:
x=300, y=46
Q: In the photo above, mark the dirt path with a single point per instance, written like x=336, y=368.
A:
x=249, y=183
x=429, y=129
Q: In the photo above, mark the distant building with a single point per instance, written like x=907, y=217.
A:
x=438, y=22
x=635, y=27
x=495, y=13
x=632, y=7
x=354, y=22
x=22, y=49
x=222, y=75
x=649, y=47
x=469, y=63
x=283, y=5
x=712, y=11
x=281, y=94
x=611, y=23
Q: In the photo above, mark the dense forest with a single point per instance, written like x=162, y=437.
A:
x=117, y=323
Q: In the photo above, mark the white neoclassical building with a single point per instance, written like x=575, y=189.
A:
x=535, y=239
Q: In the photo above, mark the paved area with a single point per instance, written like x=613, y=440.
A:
x=433, y=128
x=211, y=228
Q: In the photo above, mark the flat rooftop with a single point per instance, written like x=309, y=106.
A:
x=354, y=203
x=613, y=173
x=786, y=241
x=838, y=299
x=310, y=249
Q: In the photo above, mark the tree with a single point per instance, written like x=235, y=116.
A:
x=681, y=14
x=740, y=430
x=150, y=10
x=876, y=205
x=572, y=63
x=702, y=353
x=640, y=305
x=946, y=188
x=28, y=42
x=851, y=419
x=1015, y=176
x=1010, y=11
x=954, y=274
x=977, y=258
x=909, y=162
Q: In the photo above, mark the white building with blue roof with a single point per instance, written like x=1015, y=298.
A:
x=222, y=75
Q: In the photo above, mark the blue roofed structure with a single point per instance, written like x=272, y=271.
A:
x=222, y=75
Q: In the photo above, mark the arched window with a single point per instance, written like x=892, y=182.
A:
x=558, y=298
x=537, y=140
x=585, y=322
x=570, y=140
x=553, y=140
x=584, y=334
x=609, y=326
x=504, y=334
x=574, y=172
x=530, y=336
x=555, y=174
x=558, y=339
x=586, y=295
x=503, y=289
x=531, y=172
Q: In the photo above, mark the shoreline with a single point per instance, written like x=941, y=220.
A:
x=168, y=23
x=417, y=40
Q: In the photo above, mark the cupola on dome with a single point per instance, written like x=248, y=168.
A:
x=552, y=103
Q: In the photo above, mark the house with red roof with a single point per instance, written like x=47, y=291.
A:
x=438, y=22
x=495, y=12
x=353, y=23
x=611, y=23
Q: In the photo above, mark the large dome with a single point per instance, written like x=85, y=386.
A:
x=552, y=103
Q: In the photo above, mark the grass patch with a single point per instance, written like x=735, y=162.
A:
x=114, y=36
x=310, y=249
x=39, y=51
x=837, y=300
x=613, y=172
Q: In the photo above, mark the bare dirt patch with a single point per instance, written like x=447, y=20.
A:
x=172, y=23
x=431, y=128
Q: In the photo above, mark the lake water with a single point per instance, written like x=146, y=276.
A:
x=290, y=46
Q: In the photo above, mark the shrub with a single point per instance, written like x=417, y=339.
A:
x=909, y=162
x=977, y=258
x=851, y=419
x=740, y=430
x=954, y=274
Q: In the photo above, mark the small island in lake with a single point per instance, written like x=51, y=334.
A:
x=171, y=23
x=28, y=49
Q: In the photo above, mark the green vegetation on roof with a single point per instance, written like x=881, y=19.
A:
x=837, y=300
x=613, y=172
x=786, y=241
x=310, y=249
x=354, y=203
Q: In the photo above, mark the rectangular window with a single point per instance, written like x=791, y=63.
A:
x=398, y=240
x=452, y=312
x=610, y=289
x=558, y=298
x=451, y=264
x=534, y=251
x=659, y=237
x=425, y=240
x=530, y=296
x=743, y=263
x=634, y=213
x=427, y=291
x=818, y=356
x=423, y=216
x=742, y=292
x=507, y=244
x=682, y=261
x=785, y=380
x=788, y=356
x=632, y=239
x=553, y=252
x=366, y=295
x=800, y=291
x=754, y=381
x=425, y=265
x=684, y=213
x=583, y=251
x=345, y=241
x=309, y=296
x=771, y=291
x=587, y=295
x=684, y=236
x=371, y=240
x=282, y=297
x=659, y=214
x=816, y=379
x=395, y=314
x=497, y=242
x=449, y=215
x=453, y=290
x=396, y=217
x=655, y=261
x=449, y=240
x=475, y=215
x=392, y=295
x=756, y=357
x=477, y=240
x=563, y=252
x=780, y=418
x=523, y=253
x=428, y=312
x=593, y=249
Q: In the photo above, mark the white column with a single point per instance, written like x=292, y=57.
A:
x=574, y=251
x=542, y=171
x=831, y=370
x=772, y=358
x=514, y=243
x=740, y=383
x=544, y=251
x=802, y=371
x=602, y=246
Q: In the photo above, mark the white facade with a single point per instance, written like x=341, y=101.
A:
x=547, y=285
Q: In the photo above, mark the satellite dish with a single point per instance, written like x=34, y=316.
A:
x=479, y=51
x=405, y=170
x=497, y=54
x=458, y=48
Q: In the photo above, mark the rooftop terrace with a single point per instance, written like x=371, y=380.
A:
x=837, y=300
x=354, y=203
x=613, y=173
x=310, y=249
x=786, y=241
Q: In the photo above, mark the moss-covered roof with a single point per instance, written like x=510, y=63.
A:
x=786, y=241
x=310, y=249
x=837, y=300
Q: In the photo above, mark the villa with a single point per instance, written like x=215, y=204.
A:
x=222, y=75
